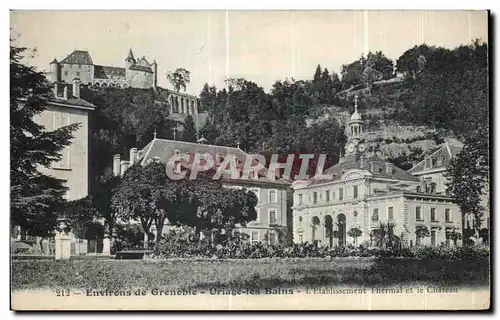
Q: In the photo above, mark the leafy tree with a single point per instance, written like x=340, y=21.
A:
x=351, y=73
x=355, y=233
x=144, y=195
x=123, y=119
x=35, y=197
x=83, y=217
x=179, y=78
x=468, y=174
x=208, y=99
x=370, y=75
x=384, y=236
x=421, y=232
x=189, y=132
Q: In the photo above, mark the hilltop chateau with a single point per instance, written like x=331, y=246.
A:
x=137, y=73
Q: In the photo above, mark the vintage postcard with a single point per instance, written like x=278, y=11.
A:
x=249, y=160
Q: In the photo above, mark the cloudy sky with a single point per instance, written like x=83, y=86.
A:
x=261, y=46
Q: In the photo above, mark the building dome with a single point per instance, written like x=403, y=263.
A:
x=356, y=115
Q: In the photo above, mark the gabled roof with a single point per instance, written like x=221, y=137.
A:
x=104, y=72
x=366, y=164
x=446, y=153
x=165, y=149
x=78, y=57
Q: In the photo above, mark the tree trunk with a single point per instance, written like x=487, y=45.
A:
x=160, y=223
x=146, y=225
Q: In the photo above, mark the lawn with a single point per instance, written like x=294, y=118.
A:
x=234, y=274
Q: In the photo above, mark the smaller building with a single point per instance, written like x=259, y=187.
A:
x=432, y=171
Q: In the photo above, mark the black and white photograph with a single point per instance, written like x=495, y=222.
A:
x=250, y=160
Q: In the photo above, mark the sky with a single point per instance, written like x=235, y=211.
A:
x=261, y=46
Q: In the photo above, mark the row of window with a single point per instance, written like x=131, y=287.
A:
x=419, y=217
x=418, y=214
x=271, y=237
x=272, y=194
x=330, y=194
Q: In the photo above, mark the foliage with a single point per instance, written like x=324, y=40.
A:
x=83, y=219
x=385, y=237
x=123, y=119
x=422, y=231
x=355, y=233
x=468, y=175
x=189, y=132
x=144, y=195
x=179, y=78
x=35, y=198
x=147, y=194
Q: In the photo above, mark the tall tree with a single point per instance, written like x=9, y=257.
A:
x=35, y=197
x=189, y=132
x=468, y=175
x=145, y=196
x=179, y=78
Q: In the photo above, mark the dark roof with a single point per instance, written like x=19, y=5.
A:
x=104, y=72
x=130, y=55
x=141, y=68
x=446, y=152
x=340, y=168
x=74, y=101
x=78, y=57
x=165, y=149
x=54, y=61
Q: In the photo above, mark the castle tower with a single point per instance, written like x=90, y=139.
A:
x=55, y=71
x=130, y=60
x=155, y=74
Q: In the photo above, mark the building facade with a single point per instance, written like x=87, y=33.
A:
x=273, y=223
x=364, y=191
x=68, y=108
x=432, y=171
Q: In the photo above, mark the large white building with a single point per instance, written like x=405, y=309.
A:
x=364, y=191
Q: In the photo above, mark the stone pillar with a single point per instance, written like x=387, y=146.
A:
x=116, y=165
x=133, y=156
x=63, y=240
x=123, y=167
x=106, y=245
x=146, y=239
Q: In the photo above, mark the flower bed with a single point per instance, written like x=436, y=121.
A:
x=181, y=248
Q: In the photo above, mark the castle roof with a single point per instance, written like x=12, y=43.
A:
x=446, y=153
x=78, y=57
x=141, y=68
x=130, y=55
x=104, y=72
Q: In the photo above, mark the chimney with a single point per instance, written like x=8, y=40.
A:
x=76, y=87
x=388, y=168
x=65, y=93
x=123, y=167
x=139, y=155
x=133, y=156
x=116, y=165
